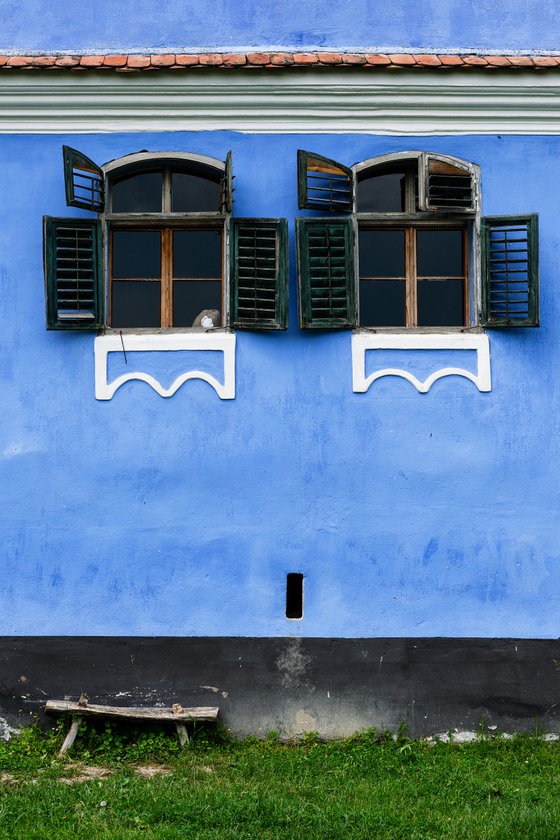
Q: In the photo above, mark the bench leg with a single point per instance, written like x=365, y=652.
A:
x=71, y=736
x=182, y=733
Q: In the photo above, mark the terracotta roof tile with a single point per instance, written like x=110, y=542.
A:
x=544, y=61
x=281, y=59
x=476, y=60
x=258, y=58
x=67, y=61
x=426, y=62
x=41, y=60
x=213, y=59
x=229, y=59
x=306, y=58
x=377, y=58
x=161, y=60
x=451, y=60
x=137, y=62
x=116, y=61
x=20, y=61
x=520, y=60
x=92, y=61
x=402, y=58
x=498, y=60
x=330, y=57
x=353, y=58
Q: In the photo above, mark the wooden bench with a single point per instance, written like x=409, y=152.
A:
x=176, y=714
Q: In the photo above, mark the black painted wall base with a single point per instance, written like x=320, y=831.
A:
x=331, y=686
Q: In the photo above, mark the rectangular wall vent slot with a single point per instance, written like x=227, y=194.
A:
x=294, y=595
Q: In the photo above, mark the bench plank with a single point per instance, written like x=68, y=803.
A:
x=204, y=713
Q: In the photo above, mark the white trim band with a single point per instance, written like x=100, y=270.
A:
x=397, y=102
x=451, y=341
x=114, y=343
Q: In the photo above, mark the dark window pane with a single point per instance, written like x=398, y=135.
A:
x=440, y=303
x=138, y=193
x=190, y=297
x=136, y=304
x=197, y=253
x=136, y=253
x=190, y=193
x=440, y=253
x=382, y=194
x=382, y=303
x=382, y=253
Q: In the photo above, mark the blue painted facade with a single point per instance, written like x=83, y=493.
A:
x=409, y=514
x=131, y=25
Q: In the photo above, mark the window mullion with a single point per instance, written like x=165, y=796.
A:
x=410, y=265
x=167, y=277
x=166, y=204
x=409, y=193
x=466, y=303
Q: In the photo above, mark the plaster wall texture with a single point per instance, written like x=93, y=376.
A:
x=408, y=514
x=501, y=25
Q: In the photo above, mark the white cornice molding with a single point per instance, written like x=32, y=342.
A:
x=398, y=102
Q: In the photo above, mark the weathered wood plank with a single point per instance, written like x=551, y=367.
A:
x=204, y=713
x=71, y=735
x=182, y=733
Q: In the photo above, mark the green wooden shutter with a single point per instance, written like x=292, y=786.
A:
x=326, y=273
x=259, y=274
x=510, y=271
x=84, y=182
x=73, y=273
x=324, y=184
x=226, y=186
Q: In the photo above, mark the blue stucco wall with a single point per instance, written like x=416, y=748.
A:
x=131, y=25
x=409, y=514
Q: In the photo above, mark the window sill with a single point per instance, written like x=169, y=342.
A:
x=163, y=331
x=139, y=341
x=474, y=330
x=450, y=339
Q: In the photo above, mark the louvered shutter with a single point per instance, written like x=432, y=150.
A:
x=510, y=271
x=226, y=186
x=448, y=185
x=326, y=273
x=259, y=273
x=84, y=182
x=324, y=184
x=73, y=274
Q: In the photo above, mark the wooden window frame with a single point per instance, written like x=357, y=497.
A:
x=411, y=220
x=167, y=222
x=411, y=276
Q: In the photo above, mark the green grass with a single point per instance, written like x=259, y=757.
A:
x=366, y=787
